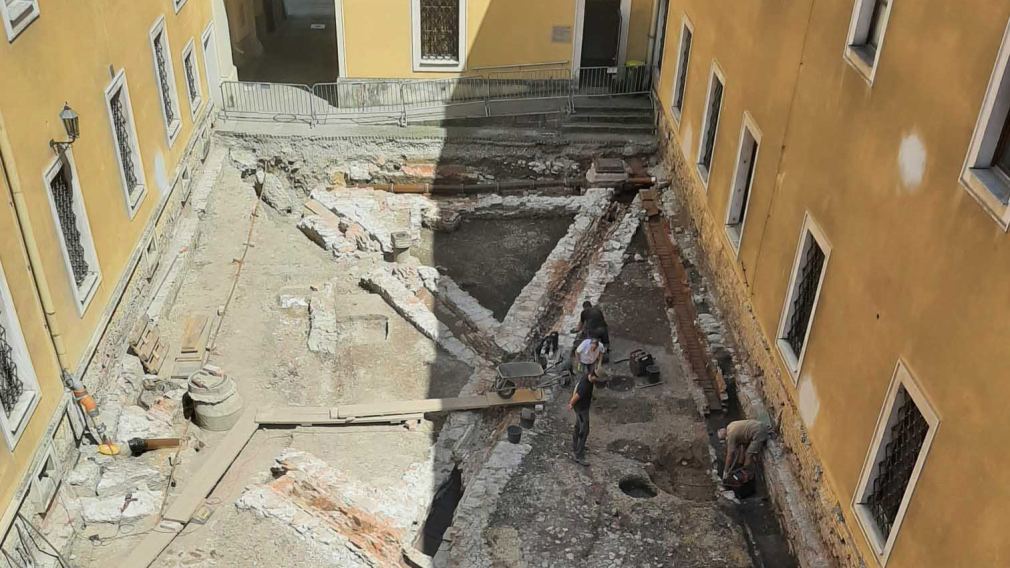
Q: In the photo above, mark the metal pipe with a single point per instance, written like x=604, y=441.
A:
x=650, y=55
x=32, y=249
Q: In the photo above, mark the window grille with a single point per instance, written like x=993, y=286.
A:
x=191, y=82
x=11, y=387
x=124, y=141
x=894, y=470
x=803, y=302
x=163, y=80
x=440, y=30
x=713, y=123
x=63, y=197
x=685, y=56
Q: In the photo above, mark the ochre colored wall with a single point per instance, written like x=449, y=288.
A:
x=915, y=271
x=65, y=56
x=378, y=40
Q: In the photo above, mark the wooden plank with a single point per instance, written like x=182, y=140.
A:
x=292, y=415
x=192, y=332
x=206, y=478
x=521, y=396
x=145, y=552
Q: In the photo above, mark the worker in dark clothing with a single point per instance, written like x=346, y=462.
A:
x=592, y=325
x=581, y=400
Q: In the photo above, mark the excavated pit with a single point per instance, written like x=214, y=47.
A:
x=443, y=507
x=493, y=259
x=681, y=468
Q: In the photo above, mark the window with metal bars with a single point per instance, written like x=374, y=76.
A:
x=164, y=77
x=61, y=186
x=711, y=124
x=903, y=443
x=807, y=280
x=685, y=56
x=439, y=29
x=192, y=82
x=125, y=144
x=11, y=385
x=17, y=14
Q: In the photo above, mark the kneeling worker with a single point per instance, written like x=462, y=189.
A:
x=744, y=441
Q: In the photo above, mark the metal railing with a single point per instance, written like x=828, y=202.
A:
x=400, y=100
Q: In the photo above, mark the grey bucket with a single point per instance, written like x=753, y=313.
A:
x=515, y=433
x=527, y=418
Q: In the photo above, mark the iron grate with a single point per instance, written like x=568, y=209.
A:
x=803, y=303
x=895, y=469
x=124, y=141
x=715, y=106
x=194, y=91
x=163, y=80
x=11, y=387
x=440, y=30
x=63, y=197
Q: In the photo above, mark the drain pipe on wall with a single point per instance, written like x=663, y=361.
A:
x=653, y=34
x=81, y=395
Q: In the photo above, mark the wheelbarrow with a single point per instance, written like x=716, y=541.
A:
x=516, y=374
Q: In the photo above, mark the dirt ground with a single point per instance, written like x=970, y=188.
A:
x=651, y=440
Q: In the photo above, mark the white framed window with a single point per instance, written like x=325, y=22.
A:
x=164, y=76
x=19, y=387
x=683, y=64
x=986, y=171
x=710, y=124
x=72, y=225
x=192, y=73
x=904, y=433
x=807, y=277
x=439, y=34
x=866, y=35
x=178, y=4
x=743, y=180
x=124, y=137
x=17, y=14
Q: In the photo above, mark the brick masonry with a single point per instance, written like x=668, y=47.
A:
x=718, y=264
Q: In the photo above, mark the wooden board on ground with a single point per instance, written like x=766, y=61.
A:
x=193, y=331
x=323, y=416
x=358, y=411
x=206, y=478
x=145, y=552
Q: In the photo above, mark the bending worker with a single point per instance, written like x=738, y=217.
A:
x=744, y=441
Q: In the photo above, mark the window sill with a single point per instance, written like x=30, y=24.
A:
x=863, y=60
x=86, y=292
x=991, y=191
x=436, y=66
x=179, y=4
x=133, y=205
x=733, y=233
x=173, y=131
x=789, y=358
x=23, y=12
x=17, y=421
x=703, y=173
x=194, y=108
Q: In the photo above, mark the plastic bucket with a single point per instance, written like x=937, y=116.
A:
x=515, y=433
x=652, y=374
x=527, y=417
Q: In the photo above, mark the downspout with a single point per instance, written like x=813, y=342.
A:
x=653, y=33
x=32, y=248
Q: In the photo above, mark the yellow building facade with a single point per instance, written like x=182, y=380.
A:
x=77, y=215
x=846, y=166
x=424, y=39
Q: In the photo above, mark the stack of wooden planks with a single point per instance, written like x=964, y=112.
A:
x=148, y=345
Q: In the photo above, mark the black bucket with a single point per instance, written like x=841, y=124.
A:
x=515, y=433
x=652, y=374
x=527, y=417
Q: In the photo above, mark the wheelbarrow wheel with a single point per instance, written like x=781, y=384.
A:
x=506, y=389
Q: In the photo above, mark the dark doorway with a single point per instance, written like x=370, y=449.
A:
x=601, y=33
x=299, y=43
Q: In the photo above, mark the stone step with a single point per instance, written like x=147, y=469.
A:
x=608, y=127
x=612, y=117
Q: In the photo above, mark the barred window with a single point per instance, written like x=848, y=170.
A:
x=439, y=23
x=900, y=454
x=712, y=111
x=18, y=384
x=801, y=300
x=73, y=228
x=124, y=133
x=192, y=78
x=61, y=186
x=17, y=14
x=680, y=82
x=165, y=78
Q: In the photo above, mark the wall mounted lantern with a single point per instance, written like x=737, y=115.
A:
x=71, y=123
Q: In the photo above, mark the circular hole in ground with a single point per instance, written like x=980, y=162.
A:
x=637, y=487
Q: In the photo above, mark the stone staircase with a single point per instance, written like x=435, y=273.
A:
x=611, y=115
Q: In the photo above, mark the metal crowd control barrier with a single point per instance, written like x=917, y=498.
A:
x=388, y=100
